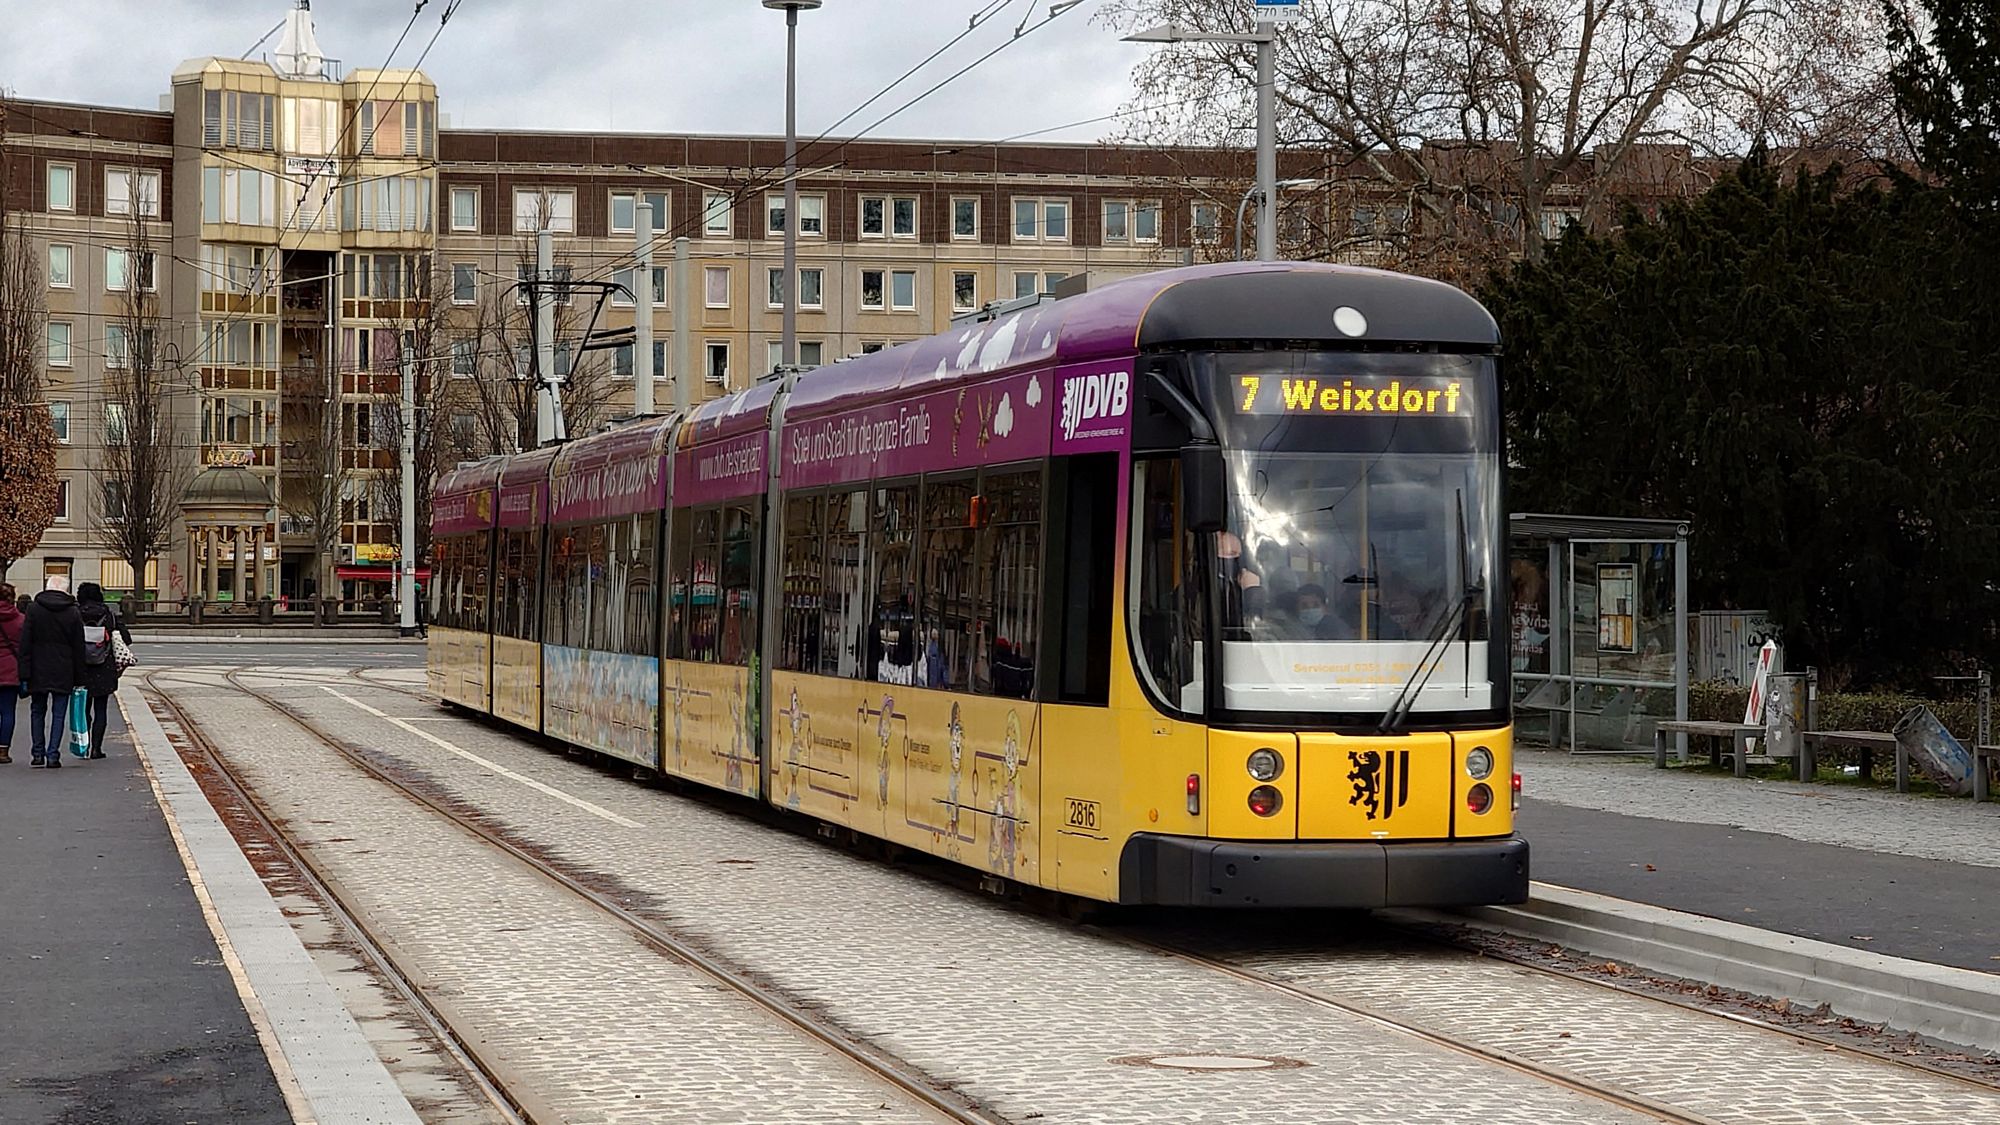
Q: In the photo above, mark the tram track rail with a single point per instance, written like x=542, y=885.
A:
x=932, y=1094
x=1439, y=932
x=485, y=1076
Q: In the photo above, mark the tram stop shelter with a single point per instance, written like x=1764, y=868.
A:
x=1599, y=630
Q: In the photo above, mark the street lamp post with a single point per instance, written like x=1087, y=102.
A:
x=1245, y=202
x=789, y=352
x=1266, y=39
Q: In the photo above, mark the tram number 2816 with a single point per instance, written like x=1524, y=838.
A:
x=1080, y=814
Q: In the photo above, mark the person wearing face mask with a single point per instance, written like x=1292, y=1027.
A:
x=1313, y=615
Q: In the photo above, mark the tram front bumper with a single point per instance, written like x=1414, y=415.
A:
x=1362, y=875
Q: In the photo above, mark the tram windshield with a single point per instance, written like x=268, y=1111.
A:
x=1355, y=572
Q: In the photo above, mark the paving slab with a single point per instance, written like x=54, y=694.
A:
x=116, y=1004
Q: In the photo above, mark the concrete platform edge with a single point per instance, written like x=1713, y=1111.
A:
x=1941, y=1001
x=321, y=1056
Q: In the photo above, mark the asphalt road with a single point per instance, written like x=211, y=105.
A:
x=115, y=1005
x=1925, y=909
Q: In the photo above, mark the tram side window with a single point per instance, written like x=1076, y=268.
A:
x=1083, y=548
x=845, y=617
x=950, y=630
x=516, y=583
x=1166, y=581
x=1011, y=566
x=741, y=552
x=891, y=553
x=620, y=578
x=799, y=628
x=566, y=591
x=700, y=636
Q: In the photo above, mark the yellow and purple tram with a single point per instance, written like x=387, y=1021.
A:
x=1180, y=591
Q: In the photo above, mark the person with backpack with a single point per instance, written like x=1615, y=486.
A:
x=51, y=667
x=100, y=661
x=10, y=669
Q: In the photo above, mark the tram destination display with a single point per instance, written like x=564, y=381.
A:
x=1419, y=396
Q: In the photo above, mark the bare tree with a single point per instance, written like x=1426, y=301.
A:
x=147, y=461
x=312, y=469
x=425, y=336
x=27, y=432
x=1481, y=112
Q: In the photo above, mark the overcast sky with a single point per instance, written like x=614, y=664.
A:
x=639, y=65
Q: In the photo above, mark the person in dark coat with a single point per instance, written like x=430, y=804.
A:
x=100, y=668
x=10, y=668
x=51, y=667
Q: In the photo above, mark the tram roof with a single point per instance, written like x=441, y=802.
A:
x=1228, y=301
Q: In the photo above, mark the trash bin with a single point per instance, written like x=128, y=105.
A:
x=194, y=611
x=1935, y=753
x=388, y=612
x=266, y=611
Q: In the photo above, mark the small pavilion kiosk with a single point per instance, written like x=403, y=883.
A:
x=227, y=509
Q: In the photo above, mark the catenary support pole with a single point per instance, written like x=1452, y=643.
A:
x=545, y=337
x=789, y=353
x=406, y=554
x=1267, y=146
x=681, y=363
x=642, y=309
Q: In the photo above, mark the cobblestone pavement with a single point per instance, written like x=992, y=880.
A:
x=1023, y=1013
x=597, y=1026
x=1951, y=829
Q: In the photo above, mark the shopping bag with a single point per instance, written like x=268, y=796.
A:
x=79, y=723
x=121, y=653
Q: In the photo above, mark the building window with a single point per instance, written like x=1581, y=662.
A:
x=62, y=187
x=535, y=207
x=621, y=362
x=1146, y=221
x=119, y=272
x=60, y=276
x=872, y=347
x=116, y=346
x=1207, y=225
x=122, y=185
x=464, y=358
x=1051, y=280
x=59, y=419
x=524, y=283
x=716, y=279
x=718, y=213
x=1117, y=221
x=812, y=215
x=718, y=362
x=881, y=214
x=1556, y=220
x=812, y=287
x=871, y=289
x=774, y=354
x=964, y=291
x=465, y=208
x=62, y=501
x=811, y=353
x=965, y=217
x=114, y=423
x=625, y=210
x=464, y=283
x=903, y=290
x=1027, y=284
x=626, y=277
x=58, y=344
x=1041, y=220
x=775, y=280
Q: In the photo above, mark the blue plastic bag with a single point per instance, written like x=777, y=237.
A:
x=79, y=723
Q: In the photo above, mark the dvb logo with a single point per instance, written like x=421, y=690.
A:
x=1087, y=398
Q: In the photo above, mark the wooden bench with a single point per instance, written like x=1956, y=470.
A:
x=1866, y=741
x=1984, y=759
x=1739, y=734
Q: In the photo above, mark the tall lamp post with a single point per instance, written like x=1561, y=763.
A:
x=1245, y=202
x=1266, y=39
x=789, y=352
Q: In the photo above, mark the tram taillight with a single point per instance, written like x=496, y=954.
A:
x=1479, y=798
x=1265, y=800
x=1194, y=794
x=1517, y=793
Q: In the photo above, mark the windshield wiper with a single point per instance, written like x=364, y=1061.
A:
x=1413, y=687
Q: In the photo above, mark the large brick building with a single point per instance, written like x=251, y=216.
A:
x=292, y=232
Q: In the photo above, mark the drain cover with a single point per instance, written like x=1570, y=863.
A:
x=1211, y=1062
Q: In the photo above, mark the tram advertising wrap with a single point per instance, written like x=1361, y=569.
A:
x=1072, y=594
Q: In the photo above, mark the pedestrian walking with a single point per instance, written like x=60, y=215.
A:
x=51, y=657
x=11, y=624
x=100, y=664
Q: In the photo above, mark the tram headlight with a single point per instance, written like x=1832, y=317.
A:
x=1265, y=764
x=1265, y=800
x=1478, y=799
x=1479, y=763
